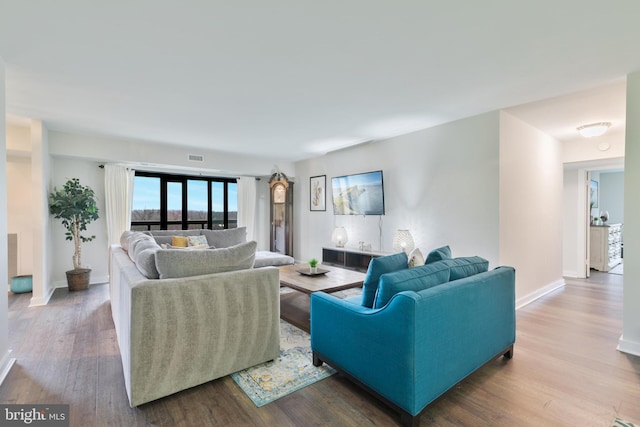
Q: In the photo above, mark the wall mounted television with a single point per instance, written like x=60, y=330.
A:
x=359, y=194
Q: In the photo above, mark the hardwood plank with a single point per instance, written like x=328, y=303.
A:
x=565, y=371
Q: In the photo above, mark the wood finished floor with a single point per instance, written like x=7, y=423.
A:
x=565, y=372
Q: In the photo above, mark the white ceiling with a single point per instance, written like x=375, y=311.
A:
x=296, y=79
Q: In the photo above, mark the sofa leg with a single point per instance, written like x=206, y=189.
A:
x=408, y=420
x=316, y=360
x=509, y=353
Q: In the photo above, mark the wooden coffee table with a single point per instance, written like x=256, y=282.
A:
x=294, y=306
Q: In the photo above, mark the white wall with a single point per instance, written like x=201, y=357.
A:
x=530, y=207
x=440, y=183
x=612, y=196
x=95, y=254
x=573, y=224
x=630, y=339
x=42, y=251
x=5, y=353
x=19, y=194
x=161, y=155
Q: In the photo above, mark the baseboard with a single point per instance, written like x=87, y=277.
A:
x=572, y=274
x=528, y=299
x=44, y=300
x=5, y=365
x=97, y=280
x=626, y=346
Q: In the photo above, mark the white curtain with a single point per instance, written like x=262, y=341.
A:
x=247, y=205
x=118, y=190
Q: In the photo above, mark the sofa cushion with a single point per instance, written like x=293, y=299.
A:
x=413, y=279
x=157, y=233
x=378, y=267
x=144, y=256
x=226, y=238
x=173, y=263
x=163, y=240
x=438, y=255
x=266, y=258
x=124, y=239
x=466, y=266
x=132, y=240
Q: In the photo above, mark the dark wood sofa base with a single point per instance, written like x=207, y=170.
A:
x=406, y=419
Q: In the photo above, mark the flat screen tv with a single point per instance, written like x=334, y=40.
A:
x=359, y=194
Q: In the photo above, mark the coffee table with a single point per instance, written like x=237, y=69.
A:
x=294, y=306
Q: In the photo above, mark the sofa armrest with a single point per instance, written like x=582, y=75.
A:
x=376, y=346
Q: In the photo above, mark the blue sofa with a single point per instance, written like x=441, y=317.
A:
x=422, y=341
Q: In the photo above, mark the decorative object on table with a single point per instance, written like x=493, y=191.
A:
x=308, y=272
x=75, y=205
x=593, y=194
x=403, y=241
x=339, y=237
x=292, y=371
x=313, y=265
x=318, y=197
x=604, y=216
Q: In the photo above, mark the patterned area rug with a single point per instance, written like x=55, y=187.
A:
x=622, y=423
x=292, y=371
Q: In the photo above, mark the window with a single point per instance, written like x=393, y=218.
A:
x=180, y=202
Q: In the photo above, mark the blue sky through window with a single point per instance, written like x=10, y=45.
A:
x=146, y=195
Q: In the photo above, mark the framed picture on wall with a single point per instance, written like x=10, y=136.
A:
x=593, y=194
x=318, y=194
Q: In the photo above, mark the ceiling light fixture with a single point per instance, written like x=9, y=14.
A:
x=594, y=129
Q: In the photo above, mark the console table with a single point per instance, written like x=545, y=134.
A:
x=353, y=259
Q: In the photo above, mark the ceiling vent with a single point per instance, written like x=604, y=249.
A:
x=196, y=158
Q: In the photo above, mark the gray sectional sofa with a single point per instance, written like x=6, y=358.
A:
x=185, y=317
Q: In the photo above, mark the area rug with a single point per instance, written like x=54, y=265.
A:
x=622, y=423
x=292, y=371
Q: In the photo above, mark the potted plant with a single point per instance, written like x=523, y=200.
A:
x=75, y=205
x=313, y=265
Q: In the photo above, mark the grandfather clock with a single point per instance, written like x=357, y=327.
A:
x=281, y=214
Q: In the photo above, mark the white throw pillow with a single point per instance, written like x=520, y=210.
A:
x=416, y=258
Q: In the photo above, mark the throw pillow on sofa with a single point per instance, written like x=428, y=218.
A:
x=378, y=267
x=198, y=241
x=438, y=255
x=180, y=241
x=226, y=238
x=172, y=263
x=413, y=279
x=466, y=266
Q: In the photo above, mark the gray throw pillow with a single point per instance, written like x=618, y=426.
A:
x=226, y=238
x=172, y=263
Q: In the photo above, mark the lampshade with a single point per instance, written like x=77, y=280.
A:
x=339, y=237
x=402, y=241
x=594, y=129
